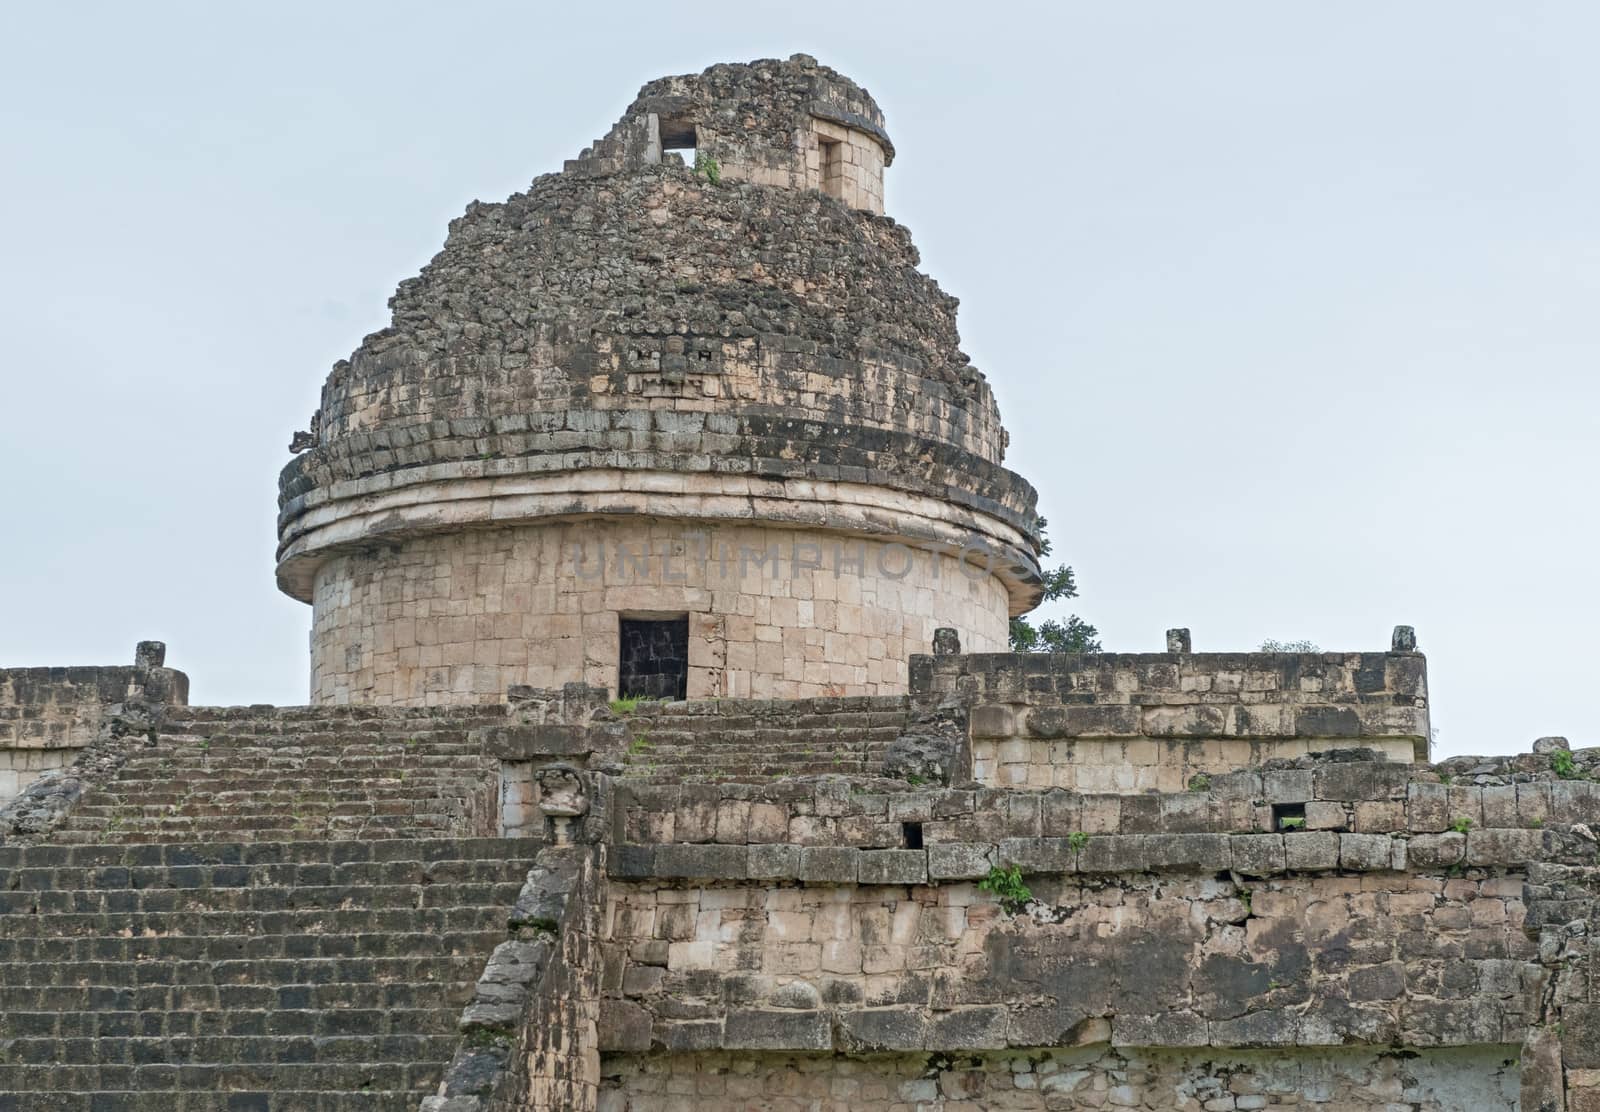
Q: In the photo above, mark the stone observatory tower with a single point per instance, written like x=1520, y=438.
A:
x=683, y=420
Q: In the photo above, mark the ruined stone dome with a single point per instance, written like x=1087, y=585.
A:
x=749, y=341
x=629, y=317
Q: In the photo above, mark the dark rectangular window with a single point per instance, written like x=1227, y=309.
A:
x=655, y=658
x=1288, y=816
x=680, y=137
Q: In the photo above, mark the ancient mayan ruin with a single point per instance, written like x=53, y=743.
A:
x=663, y=750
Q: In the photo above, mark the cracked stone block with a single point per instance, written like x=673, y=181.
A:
x=892, y=866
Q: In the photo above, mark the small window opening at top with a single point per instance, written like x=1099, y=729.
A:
x=679, y=138
x=911, y=834
x=832, y=167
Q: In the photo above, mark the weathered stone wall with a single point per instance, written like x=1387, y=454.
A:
x=1315, y=903
x=765, y=122
x=1473, y=1079
x=47, y=715
x=1168, y=961
x=844, y=163
x=556, y=1063
x=1562, y=1056
x=460, y=618
x=1141, y=764
x=1307, y=801
x=1134, y=722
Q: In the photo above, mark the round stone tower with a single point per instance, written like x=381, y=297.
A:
x=682, y=420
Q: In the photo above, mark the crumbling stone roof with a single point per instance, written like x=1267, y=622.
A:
x=642, y=316
x=762, y=101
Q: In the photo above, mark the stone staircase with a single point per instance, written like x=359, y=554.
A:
x=755, y=740
x=284, y=774
x=243, y=975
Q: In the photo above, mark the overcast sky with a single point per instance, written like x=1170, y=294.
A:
x=1290, y=307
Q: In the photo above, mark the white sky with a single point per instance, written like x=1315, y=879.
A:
x=1290, y=307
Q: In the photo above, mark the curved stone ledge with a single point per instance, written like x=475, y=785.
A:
x=749, y=439
x=366, y=464
x=451, y=503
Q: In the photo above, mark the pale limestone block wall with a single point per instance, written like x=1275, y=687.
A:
x=48, y=714
x=773, y=612
x=21, y=767
x=1104, y=948
x=854, y=174
x=1479, y=1079
x=840, y=161
x=1118, y=765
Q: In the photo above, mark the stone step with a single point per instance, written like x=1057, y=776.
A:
x=288, y=995
x=222, y=1050
x=690, y=748
x=253, y=816
x=771, y=768
x=284, y=788
x=777, y=765
x=398, y=1078
x=425, y=969
x=192, y=780
x=203, y=921
x=243, y=897
x=181, y=828
x=255, y=810
x=233, y=852
x=238, y=1100
x=335, y=773
x=332, y=758
x=253, y=948
x=765, y=738
x=326, y=717
x=265, y=874
x=238, y=1024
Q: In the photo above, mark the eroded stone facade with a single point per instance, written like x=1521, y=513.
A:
x=1138, y=722
x=1479, y=1079
x=49, y=715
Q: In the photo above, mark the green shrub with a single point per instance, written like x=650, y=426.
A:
x=706, y=165
x=1562, y=764
x=1006, y=885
